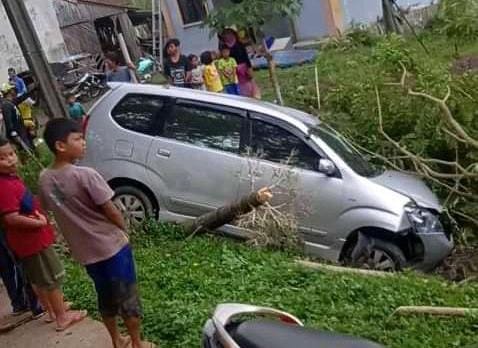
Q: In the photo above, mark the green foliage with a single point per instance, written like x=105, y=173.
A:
x=459, y=20
x=354, y=38
x=31, y=168
x=181, y=283
x=251, y=13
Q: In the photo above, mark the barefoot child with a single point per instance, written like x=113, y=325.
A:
x=93, y=228
x=31, y=238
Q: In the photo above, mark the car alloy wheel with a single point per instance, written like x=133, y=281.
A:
x=132, y=208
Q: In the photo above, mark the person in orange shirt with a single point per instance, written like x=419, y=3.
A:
x=212, y=79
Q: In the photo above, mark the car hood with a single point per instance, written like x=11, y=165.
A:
x=410, y=186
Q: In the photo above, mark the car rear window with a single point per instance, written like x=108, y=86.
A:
x=138, y=112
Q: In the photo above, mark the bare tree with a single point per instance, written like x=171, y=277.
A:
x=453, y=176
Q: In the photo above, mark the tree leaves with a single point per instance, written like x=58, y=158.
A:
x=251, y=13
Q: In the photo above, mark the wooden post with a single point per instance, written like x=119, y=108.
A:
x=126, y=56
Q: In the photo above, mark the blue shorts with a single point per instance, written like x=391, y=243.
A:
x=232, y=89
x=115, y=284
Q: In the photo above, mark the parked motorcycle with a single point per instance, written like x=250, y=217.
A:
x=89, y=86
x=246, y=326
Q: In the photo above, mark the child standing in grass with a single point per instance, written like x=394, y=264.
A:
x=31, y=238
x=93, y=228
x=212, y=80
x=227, y=68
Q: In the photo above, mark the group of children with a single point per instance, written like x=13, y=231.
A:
x=81, y=203
x=212, y=71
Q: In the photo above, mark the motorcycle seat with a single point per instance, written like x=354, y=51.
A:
x=263, y=333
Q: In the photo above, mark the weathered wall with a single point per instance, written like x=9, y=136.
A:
x=46, y=24
x=367, y=11
x=77, y=24
x=195, y=38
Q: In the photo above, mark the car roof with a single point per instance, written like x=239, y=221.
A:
x=300, y=119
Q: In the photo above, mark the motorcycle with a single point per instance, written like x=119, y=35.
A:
x=89, y=86
x=246, y=326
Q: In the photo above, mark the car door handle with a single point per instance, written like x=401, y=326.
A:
x=164, y=153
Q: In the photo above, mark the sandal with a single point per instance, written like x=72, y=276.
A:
x=76, y=317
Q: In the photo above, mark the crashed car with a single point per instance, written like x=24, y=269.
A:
x=177, y=153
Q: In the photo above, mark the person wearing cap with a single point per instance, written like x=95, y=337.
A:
x=15, y=128
x=25, y=107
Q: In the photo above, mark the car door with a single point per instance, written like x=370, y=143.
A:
x=279, y=155
x=197, y=156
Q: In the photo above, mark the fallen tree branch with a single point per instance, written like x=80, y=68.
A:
x=228, y=213
x=430, y=310
x=339, y=269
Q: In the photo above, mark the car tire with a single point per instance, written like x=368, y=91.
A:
x=380, y=255
x=135, y=205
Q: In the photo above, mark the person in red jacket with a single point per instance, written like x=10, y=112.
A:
x=30, y=236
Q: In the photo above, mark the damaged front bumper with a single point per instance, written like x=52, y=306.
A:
x=436, y=247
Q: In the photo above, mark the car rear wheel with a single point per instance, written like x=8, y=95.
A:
x=380, y=255
x=134, y=204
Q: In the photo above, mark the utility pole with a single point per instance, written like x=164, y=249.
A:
x=157, y=26
x=33, y=52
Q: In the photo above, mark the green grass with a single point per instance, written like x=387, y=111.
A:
x=336, y=67
x=182, y=282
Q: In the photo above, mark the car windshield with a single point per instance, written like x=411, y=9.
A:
x=348, y=153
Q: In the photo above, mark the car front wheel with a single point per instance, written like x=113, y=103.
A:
x=377, y=254
x=134, y=204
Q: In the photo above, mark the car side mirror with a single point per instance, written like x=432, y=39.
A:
x=327, y=167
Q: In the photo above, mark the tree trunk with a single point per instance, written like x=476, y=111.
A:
x=273, y=76
x=223, y=215
x=389, y=17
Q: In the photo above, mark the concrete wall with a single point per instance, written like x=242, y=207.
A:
x=194, y=38
x=367, y=11
x=46, y=24
x=312, y=21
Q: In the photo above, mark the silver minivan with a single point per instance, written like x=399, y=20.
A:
x=177, y=153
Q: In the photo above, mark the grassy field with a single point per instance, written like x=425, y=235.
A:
x=181, y=283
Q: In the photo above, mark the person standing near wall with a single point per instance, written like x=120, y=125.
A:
x=177, y=69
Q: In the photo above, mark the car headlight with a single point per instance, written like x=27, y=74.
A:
x=423, y=220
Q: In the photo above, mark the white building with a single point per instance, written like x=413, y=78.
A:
x=46, y=24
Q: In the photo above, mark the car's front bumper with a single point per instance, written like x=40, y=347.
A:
x=436, y=247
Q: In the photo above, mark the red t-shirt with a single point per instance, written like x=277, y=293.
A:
x=16, y=198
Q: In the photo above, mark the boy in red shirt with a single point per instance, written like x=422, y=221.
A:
x=31, y=238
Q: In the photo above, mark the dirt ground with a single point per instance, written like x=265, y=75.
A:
x=33, y=334
x=465, y=64
x=461, y=265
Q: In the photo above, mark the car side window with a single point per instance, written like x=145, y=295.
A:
x=138, y=112
x=204, y=127
x=273, y=143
